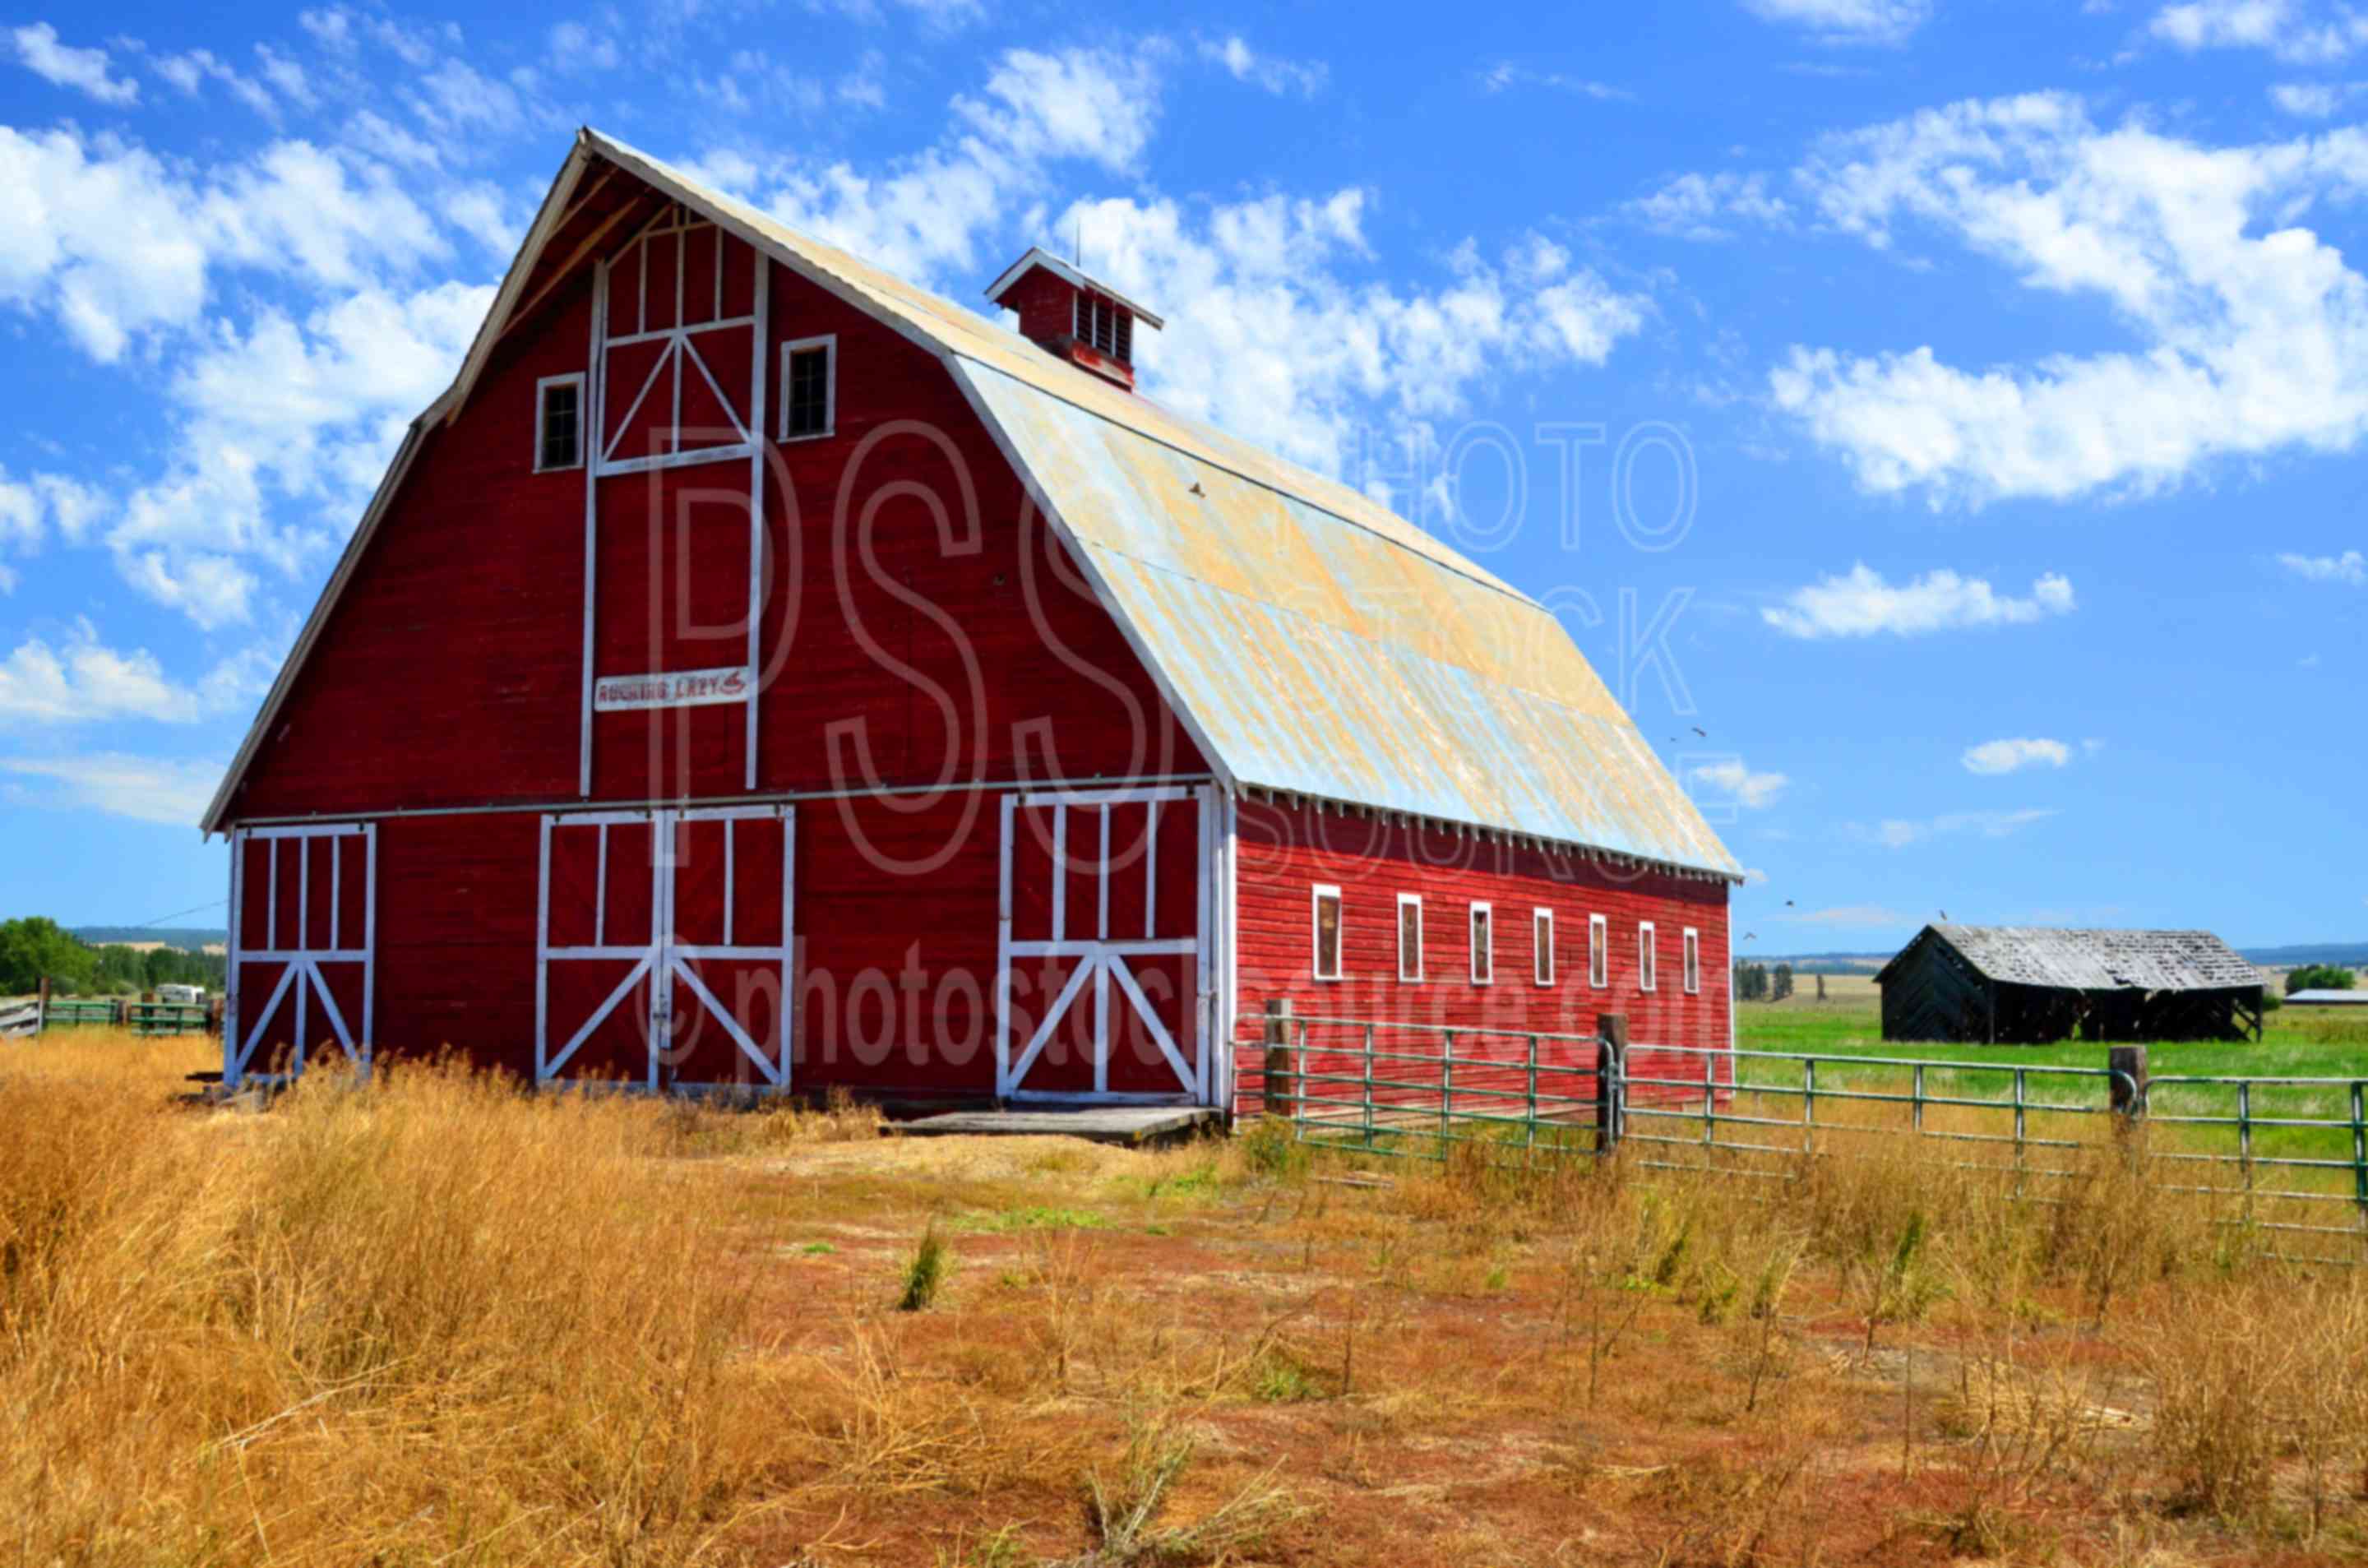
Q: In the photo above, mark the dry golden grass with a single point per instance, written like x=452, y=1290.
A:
x=436, y=1321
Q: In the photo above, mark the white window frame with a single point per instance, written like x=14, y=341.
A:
x=1648, y=958
x=1414, y=901
x=540, y=387
x=828, y=344
x=1693, y=961
x=1542, y=954
x=1315, y=931
x=1471, y=921
x=1598, y=951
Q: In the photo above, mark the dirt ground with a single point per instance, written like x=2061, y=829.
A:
x=1411, y=1383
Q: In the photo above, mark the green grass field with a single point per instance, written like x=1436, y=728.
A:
x=2296, y=1044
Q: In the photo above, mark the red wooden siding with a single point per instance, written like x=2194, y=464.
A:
x=1286, y=852
x=919, y=620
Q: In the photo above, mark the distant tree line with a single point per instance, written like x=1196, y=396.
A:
x=34, y=947
x=1758, y=982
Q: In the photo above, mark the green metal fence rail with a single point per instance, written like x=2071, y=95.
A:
x=146, y=1018
x=68, y=1012
x=168, y=1017
x=2278, y=1156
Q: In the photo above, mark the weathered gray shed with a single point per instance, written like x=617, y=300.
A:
x=2032, y=986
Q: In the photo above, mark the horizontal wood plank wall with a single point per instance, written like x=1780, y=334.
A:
x=908, y=620
x=1285, y=852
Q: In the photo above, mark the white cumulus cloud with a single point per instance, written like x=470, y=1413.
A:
x=1848, y=21
x=173, y=793
x=1705, y=206
x=82, y=680
x=2349, y=568
x=1738, y=784
x=2010, y=756
x=1267, y=72
x=2293, y=30
x=85, y=70
x=1862, y=603
x=2252, y=332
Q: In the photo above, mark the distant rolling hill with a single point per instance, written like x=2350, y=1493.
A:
x=189, y=938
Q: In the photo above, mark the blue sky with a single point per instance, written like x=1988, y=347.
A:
x=1952, y=409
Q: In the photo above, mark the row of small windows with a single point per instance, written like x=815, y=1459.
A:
x=1482, y=919
x=808, y=403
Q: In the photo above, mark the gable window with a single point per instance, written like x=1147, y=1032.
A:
x=1598, y=951
x=1542, y=945
x=1645, y=956
x=1693, y=961
x=1484, y=945
x=1105, y=327
x=1327, y=932
x=809, y=388
x=1410, y=937
x=558, y=423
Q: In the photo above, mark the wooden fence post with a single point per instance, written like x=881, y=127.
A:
x=1280, y=1096
x=42, y=1004
x=1610, y=1083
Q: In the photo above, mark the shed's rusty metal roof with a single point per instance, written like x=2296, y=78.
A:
x=2095, y=961
x=1315, y=641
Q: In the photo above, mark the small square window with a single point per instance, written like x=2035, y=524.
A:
x=558, y=423
x=1541, y=944
x=809, y=388
x=1410, y=937
x=1693, y=961
x=1598, y=951
x=1328, y=933
x=1484, y=945
x=1645, y=956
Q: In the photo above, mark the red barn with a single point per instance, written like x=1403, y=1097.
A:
x=754, y=671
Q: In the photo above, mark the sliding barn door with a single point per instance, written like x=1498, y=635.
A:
x=304, y=903
x=666, y=937
x=1105, y=969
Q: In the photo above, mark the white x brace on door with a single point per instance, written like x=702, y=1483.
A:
x=663, y=941
x=303, y=903
x=1105, y=911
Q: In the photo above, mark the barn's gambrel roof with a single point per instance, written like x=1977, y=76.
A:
x=1315, y=642
x=2092, y=960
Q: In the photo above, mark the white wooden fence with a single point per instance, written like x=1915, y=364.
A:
x=20, y=1017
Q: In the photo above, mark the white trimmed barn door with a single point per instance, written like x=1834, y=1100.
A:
x=664, y=947
x=303, y=914
x=1104, y=989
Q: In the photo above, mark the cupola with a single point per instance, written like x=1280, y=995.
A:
x=1073, y=314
